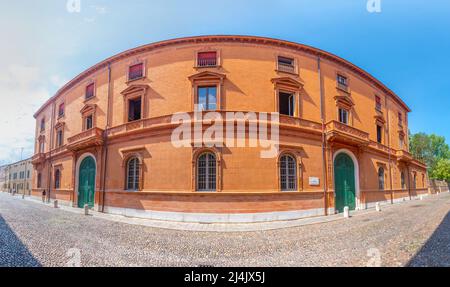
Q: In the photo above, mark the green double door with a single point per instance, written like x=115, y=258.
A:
x=86, y=182
x=344, y=180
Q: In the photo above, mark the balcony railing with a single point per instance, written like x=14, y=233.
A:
x=38, y=158
x=91, y=137
x=342, y=87
x=403, y=155
x=286, y=68
x=207, y=62
x=342, y=132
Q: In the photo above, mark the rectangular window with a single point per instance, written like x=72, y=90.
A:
x=378, y=103
x=59, y=138
x=135, y=71
x=379, y=134
x=401, y=142
x=286, y=64
x=88, y=122
x=207, y=59
x=28, y=174
x=89, y=91
x=134, y=109
x=286, y=104
x=400, y=118
x=342, y=81
x=42, y=125
x=61, y=110
x=343, y=116
x=41, y=146
x=207, y=98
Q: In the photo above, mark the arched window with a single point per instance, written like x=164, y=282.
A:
x=288, y=173
x=414, y=181
x=206, y=172
x=132, y=174
x=381, y=178
x=39, y=180
x=57, y=179
x=402, y=177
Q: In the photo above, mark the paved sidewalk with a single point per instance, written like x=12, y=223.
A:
x=414, y=233
x=214, y=227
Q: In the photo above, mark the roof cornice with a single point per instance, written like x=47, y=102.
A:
x=225, y=39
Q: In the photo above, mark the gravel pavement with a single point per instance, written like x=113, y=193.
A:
x=415, y=233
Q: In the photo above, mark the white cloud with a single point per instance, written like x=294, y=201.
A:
x=22, y=91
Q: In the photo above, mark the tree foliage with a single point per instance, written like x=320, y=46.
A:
x=434, y=151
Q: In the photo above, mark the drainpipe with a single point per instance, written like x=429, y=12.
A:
x=49, y=179
x=105, y=139
x=388, y=129
x=324, y=148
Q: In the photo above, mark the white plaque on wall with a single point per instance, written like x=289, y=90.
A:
x=314, y=181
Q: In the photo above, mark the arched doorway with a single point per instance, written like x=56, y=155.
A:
x=344, y=182
x=86, y=182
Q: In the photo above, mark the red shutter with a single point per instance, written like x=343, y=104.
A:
x=207, y=55
x=207, y=59
x=61, y=109
x=136, y=71
x=90, y=90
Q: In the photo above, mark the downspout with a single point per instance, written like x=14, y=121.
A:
x=324, y=148
x=389, y=147
x=49, y=178
x=105, y=139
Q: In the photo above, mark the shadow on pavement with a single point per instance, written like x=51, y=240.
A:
x=436, y=251
x=13, y=253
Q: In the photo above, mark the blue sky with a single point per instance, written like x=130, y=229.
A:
x=406, y=46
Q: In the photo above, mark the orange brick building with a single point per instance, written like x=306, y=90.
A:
x=104, y=139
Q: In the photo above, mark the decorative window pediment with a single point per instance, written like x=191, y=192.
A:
x=88, y=108
x=344, y=101
x=207, y=76
x=287, y=82
x=134, y=89
x=379, y=120
x=135, y=102
x=59, y=125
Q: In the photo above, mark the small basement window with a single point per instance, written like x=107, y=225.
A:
x=134, y=109
x=286, y=104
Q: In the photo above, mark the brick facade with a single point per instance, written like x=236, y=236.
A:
x=247, y=78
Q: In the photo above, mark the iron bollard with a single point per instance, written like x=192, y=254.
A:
x=86, y=209
x=346, y=212
x=55, y=204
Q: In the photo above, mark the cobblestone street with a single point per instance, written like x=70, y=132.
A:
x=415, y=233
